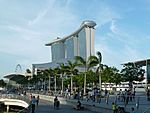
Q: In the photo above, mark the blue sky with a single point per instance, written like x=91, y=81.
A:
x=122, y=31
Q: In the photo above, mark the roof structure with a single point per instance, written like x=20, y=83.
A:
x=9, y=76
x=142, y=62
x=84, y=24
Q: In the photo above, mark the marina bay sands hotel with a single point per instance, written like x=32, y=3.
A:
x=79, y=43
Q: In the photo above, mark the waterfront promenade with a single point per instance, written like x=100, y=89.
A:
x=46, y=106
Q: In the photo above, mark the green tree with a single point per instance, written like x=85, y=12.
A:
x=78, y=80
x=48, y=73
x=91, y=77
x=40, y=77
x=71, y=70
x=63, y=70
x=110, y=75
x=44, y=75
x=86, y=64
x=132, y=72
x=99, y=69
x=2, y=83
x=56, y=72
x=116, y=76
x=34, y=79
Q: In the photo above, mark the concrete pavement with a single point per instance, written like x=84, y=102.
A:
x=94, y=106
x=47, y=107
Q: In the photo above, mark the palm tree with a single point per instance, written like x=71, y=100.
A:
x=63, y=69
x=39, y=78
x=56, y=72
x=42, y=76
x=87, y=64
x=49, y=74
x=71, y=70
x=45, y=75
x=99, y=68
x=34, y=79
x=78, y=79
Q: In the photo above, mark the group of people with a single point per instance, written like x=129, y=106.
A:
x=57, y=104
x=115, y=107
x=126, y=96
x=34, y=102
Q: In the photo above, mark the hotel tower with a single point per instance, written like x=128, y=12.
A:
x=79, y=43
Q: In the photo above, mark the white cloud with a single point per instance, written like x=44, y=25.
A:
x=28, y=41
x=38, y=17
x=109, y=55
x=113, y=27
x=22, y=30
x=106, y=15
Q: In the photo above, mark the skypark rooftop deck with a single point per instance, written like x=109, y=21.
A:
x=90, y=24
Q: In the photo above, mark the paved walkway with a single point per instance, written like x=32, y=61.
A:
x=143, y=103
x=47, y=107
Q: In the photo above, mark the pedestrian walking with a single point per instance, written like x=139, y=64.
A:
x=55, y=100
x=56, y=103
x=30, y=97
x=37, y=100
x=33, y=104
x=132, y=110
x=107, y=98
x=114, y=107
x=148, y=93
x=78, y=107
x=137, y=103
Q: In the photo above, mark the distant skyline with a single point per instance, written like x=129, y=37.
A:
x=122, y=31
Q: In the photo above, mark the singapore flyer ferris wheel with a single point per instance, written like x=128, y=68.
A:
x=18, y=69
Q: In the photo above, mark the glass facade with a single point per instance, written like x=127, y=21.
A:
x=82, y=43
x=58, y=51
x=69, y=48
x=79, y=43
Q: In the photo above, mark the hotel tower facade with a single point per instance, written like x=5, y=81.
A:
x=79, y=43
